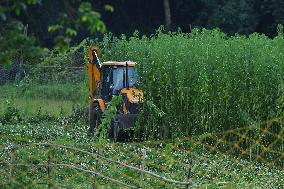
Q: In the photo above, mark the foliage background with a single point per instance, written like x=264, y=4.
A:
x=63, y=23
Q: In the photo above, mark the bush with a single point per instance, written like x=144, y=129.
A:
x=11, y=115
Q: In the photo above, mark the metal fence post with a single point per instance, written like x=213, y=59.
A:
x=187, y=179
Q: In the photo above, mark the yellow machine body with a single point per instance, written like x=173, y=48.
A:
x=100, y=74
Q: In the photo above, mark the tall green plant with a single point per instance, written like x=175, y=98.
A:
x=203, y=81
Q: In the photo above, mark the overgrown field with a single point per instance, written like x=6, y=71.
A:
x=204, y=81
x=168, y=158
x=55, y=99
x=195, y=84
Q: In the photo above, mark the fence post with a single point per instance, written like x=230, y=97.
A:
x=49, y=169
x=143, y=167
x=96, y=170
x=187, y=179
x=11, y=165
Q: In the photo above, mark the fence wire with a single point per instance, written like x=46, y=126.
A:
x=36, y=172
x=251, y=158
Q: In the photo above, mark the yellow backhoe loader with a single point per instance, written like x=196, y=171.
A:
x=110, y=79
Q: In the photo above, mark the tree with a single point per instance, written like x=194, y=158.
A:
x=57, y=21
x=13, y=33
x=76, y=16
x=231, y=16
x=270, y=14
x=167, y=12
x=8, y=8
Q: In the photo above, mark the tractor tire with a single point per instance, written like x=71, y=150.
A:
x=94, y=117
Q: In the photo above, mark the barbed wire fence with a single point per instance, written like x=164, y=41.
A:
x=60, y=80
x=255, y=149
x=260, y=142
x=11, y=163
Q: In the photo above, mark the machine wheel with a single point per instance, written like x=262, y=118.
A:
x=94, y=116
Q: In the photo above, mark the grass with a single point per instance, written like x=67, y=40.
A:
x=54, y=90
x=165, y=158
x=32, y=107
x=51, y=99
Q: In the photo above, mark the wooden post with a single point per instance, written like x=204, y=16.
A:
x=143, y=167
x=250, y=153
x=11, y=165
x=187, y=179
x=49, y=170
x=96, y=170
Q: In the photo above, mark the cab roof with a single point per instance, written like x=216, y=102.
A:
x=115, y=63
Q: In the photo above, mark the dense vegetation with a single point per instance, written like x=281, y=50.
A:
x=214, y=97
x=204, y=81
x=195, y=84
x=168, y=159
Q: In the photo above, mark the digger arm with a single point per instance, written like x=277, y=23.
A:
x=94, y=70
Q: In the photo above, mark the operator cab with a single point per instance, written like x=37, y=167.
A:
x=114, y=78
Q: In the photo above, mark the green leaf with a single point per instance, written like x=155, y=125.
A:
x=17, y=10
x=53, y=28
x=109, y=8
x=33, y=2
x=280, y=29
x=71, y=32
x=84, y=18
x=85, y=7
